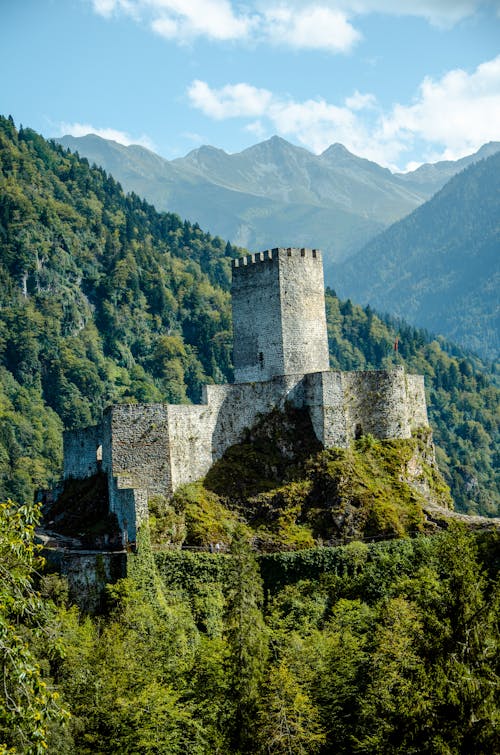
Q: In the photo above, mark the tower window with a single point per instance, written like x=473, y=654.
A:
x=261, y=360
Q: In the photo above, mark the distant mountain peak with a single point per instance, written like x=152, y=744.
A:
x=204, y=150
x=336, y=149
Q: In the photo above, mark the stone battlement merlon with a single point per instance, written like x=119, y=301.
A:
x=269, y=255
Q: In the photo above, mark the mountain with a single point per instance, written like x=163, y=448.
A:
x=432, y=176
x=273, y=193
x=105, y=300
x=440, y=267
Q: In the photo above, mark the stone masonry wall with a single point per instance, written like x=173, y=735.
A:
x=258, y=344
x=303, y=316
x=140, y=445
x=80, y=452
x=376, y=403
x=346, y=405
x=279, y=317
x=416, y=401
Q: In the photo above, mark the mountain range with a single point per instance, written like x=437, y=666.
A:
x=439, y=266
x=275, y=193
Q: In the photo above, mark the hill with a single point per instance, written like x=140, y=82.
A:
x=439, y=268
x=103, y=299
x=274, y=192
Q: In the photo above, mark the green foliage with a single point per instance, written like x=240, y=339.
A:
x=292, y=498
x=28, y=704
x=247, y=642
x=102, y=300
x=207, y=520
x=380, y=648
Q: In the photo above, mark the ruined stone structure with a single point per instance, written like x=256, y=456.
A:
x=280, y=355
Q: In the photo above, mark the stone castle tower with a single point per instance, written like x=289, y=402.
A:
x=279, y=321
x=280, y=356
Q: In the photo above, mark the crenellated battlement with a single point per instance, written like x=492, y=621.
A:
x=275, y=254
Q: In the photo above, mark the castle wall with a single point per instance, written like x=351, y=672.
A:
x=346, y=405
x=325, y=400
x=376, y=403
x=416, y=401
x=258, y=345
x=130, y=504
x=303, y=317
x=279, y=317
x=140, y=447
x=80, y=452
x=190, y=443
x=199, y=435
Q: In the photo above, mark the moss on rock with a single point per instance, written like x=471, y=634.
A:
x=291, y=494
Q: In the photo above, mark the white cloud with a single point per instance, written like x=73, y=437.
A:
x=122, y=137
x=358, y=101
x=191, y=18
x=457, y=113
x=318, y=24
x=450, y=117
x=107, y=8
x=313, y=27
x=442, y=13
x=256, y=128
x=182, y=20
x=231, y=101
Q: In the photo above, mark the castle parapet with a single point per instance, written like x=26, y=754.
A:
x=275, y=254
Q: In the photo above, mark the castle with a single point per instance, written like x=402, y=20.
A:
x=280, y=356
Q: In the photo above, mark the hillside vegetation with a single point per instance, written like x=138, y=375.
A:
x=103, y=299
x=383, y=649
x=439, y=268
x=291, y=494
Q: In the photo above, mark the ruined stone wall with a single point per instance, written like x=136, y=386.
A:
x=326, y=402
x=87, y=573
x=80, y=452
x=417, y=404
x=140, y=447
x=150, y=449
x=303, y=317
x=190, y=443
x=376, y=403
x=130, y=504
x=346, y=405
x=279, y=320
x=199, y=435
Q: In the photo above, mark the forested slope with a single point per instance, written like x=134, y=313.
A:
x=439, y=266
x=381, y=649
x=103, y=299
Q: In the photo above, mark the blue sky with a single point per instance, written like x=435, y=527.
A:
x=397, y=82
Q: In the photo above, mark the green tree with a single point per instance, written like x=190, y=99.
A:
x=289, y=721
x=28, y=704
x=246, y=637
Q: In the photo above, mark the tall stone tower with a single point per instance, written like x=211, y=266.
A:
x=279, y=320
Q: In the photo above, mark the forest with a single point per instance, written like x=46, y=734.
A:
x=386, y=647
x=377, y=649
x=105, y=300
